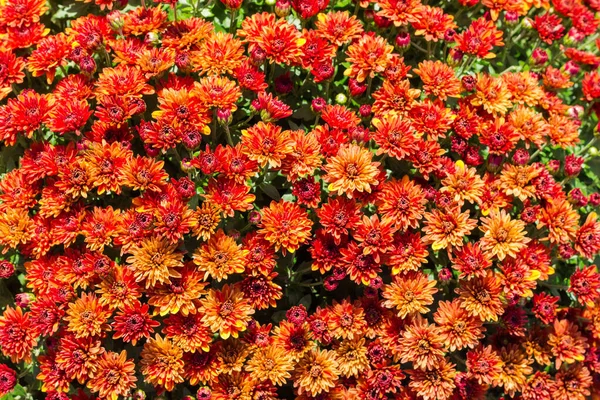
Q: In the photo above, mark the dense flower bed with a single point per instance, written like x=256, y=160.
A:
x=309, y=199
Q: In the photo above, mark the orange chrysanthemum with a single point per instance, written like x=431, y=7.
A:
x=338, y=27
x=561, y=220
x=438, y=79
x=162, y=363
x=285, y=225
x=464, y=184
x=154, y=261
x=434, y=384
x=503, y=236
x=492, y=94
x=481, y=297
x=17, y=338
x=217, y=54
x=566, y=343
x=409, y=293
x=351, y=170
x=226, y=311
x=220, y=257
x=114, y=376
x=457, y=328
x=271, y=363
x=87, y=317
x=267, y=144
x=447, y=228
x=316, y=372
x=368, y=56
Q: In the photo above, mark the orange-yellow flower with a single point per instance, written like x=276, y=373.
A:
x=226, y=311
x=561, y=220
x=435, y=384
x=316, y=372
x=368, y=56
x=219, y=53
x=491, y=94
x=271, y=363
x=503, y=236
x=267, y=144
x=409, y=293
x=220, y=257
x=447, y=228
x=438, y=79
x=566, y=343
x=422, y=344
x=162, y=363
x=463, y=184
x=516, y=180
x=154, y=261
x=114, y=376
x=87, y=317
x=351, y=170
x=285, y=225
x=481, y=297
x=456, y=327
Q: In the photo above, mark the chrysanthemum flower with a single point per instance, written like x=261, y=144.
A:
x=51, y=53
x=432, y=23
x=217, y=54
x=409, y=253
x=561, y=220
x=567, y=343
x=438, y=79
x=133, y=323
x=585, y=285
x=17, y=337
x=295, y=339
x=351, y=170
x=481, y=297
x=503, y=236
x=220, y=257
x=52, y=377
x=346, y=320
x=395, y=97
x=409, y=293
x=261, y=255
x=437, y=383
x=338, y=27
x=471, y=261
x=515, y=369
x=447, y=229
x=285, y=225
x=523, y=88
x=8, y=379
x=226, y=311
x=162, y=363
x=229, y=196
x=368, y=56
x=352, y=357
x=188, y=332
x=16, y=227
x=361, y=268
x=562, y=130
x=279, y=40
x=480, y=38
x=114, y=376
x=122, y=81
x=394, y=135
x=305, y=157
x=154, y=261
x=573, y=383
x=180, y=294
x=262, y=291
x=339, y=216
x=270, y=363
x=87, y=317
x=529, y=125
x=517, y=180
x=316, y=372
x=118, y=288
x=484, y=364
x=457, y=328
x=400, y=12
x=492, y=94
x=205, y=220
x=587, y=241
x=464, y=184
x=402, y=202
x=267, y=144
x=422, y=345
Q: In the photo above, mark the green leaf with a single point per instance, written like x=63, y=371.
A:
x=270, y=191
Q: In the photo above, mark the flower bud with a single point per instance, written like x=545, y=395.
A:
x=381, y=22
x=469, y=82
x=553, y=166
x=365, y=111
x=257, y=55
x=356, y=88
x=224, y=116
x=571, y=67
x=341, y=98
x=444, y=275
x=254, y=217
x=204, y=393
x=87, y=65
x=318, y=104
x=151, y=39
x=115, y=19
x=449, y=35
x=403, y=40
x=494, y=162
x=539, y=56
x=7, y=269
x=282, y=8
x=22, y=299
x=521, y=157
x=594, y=199
x=511, y=18
x=573, y=165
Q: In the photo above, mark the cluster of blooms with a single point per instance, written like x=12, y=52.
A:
x=301, y=199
